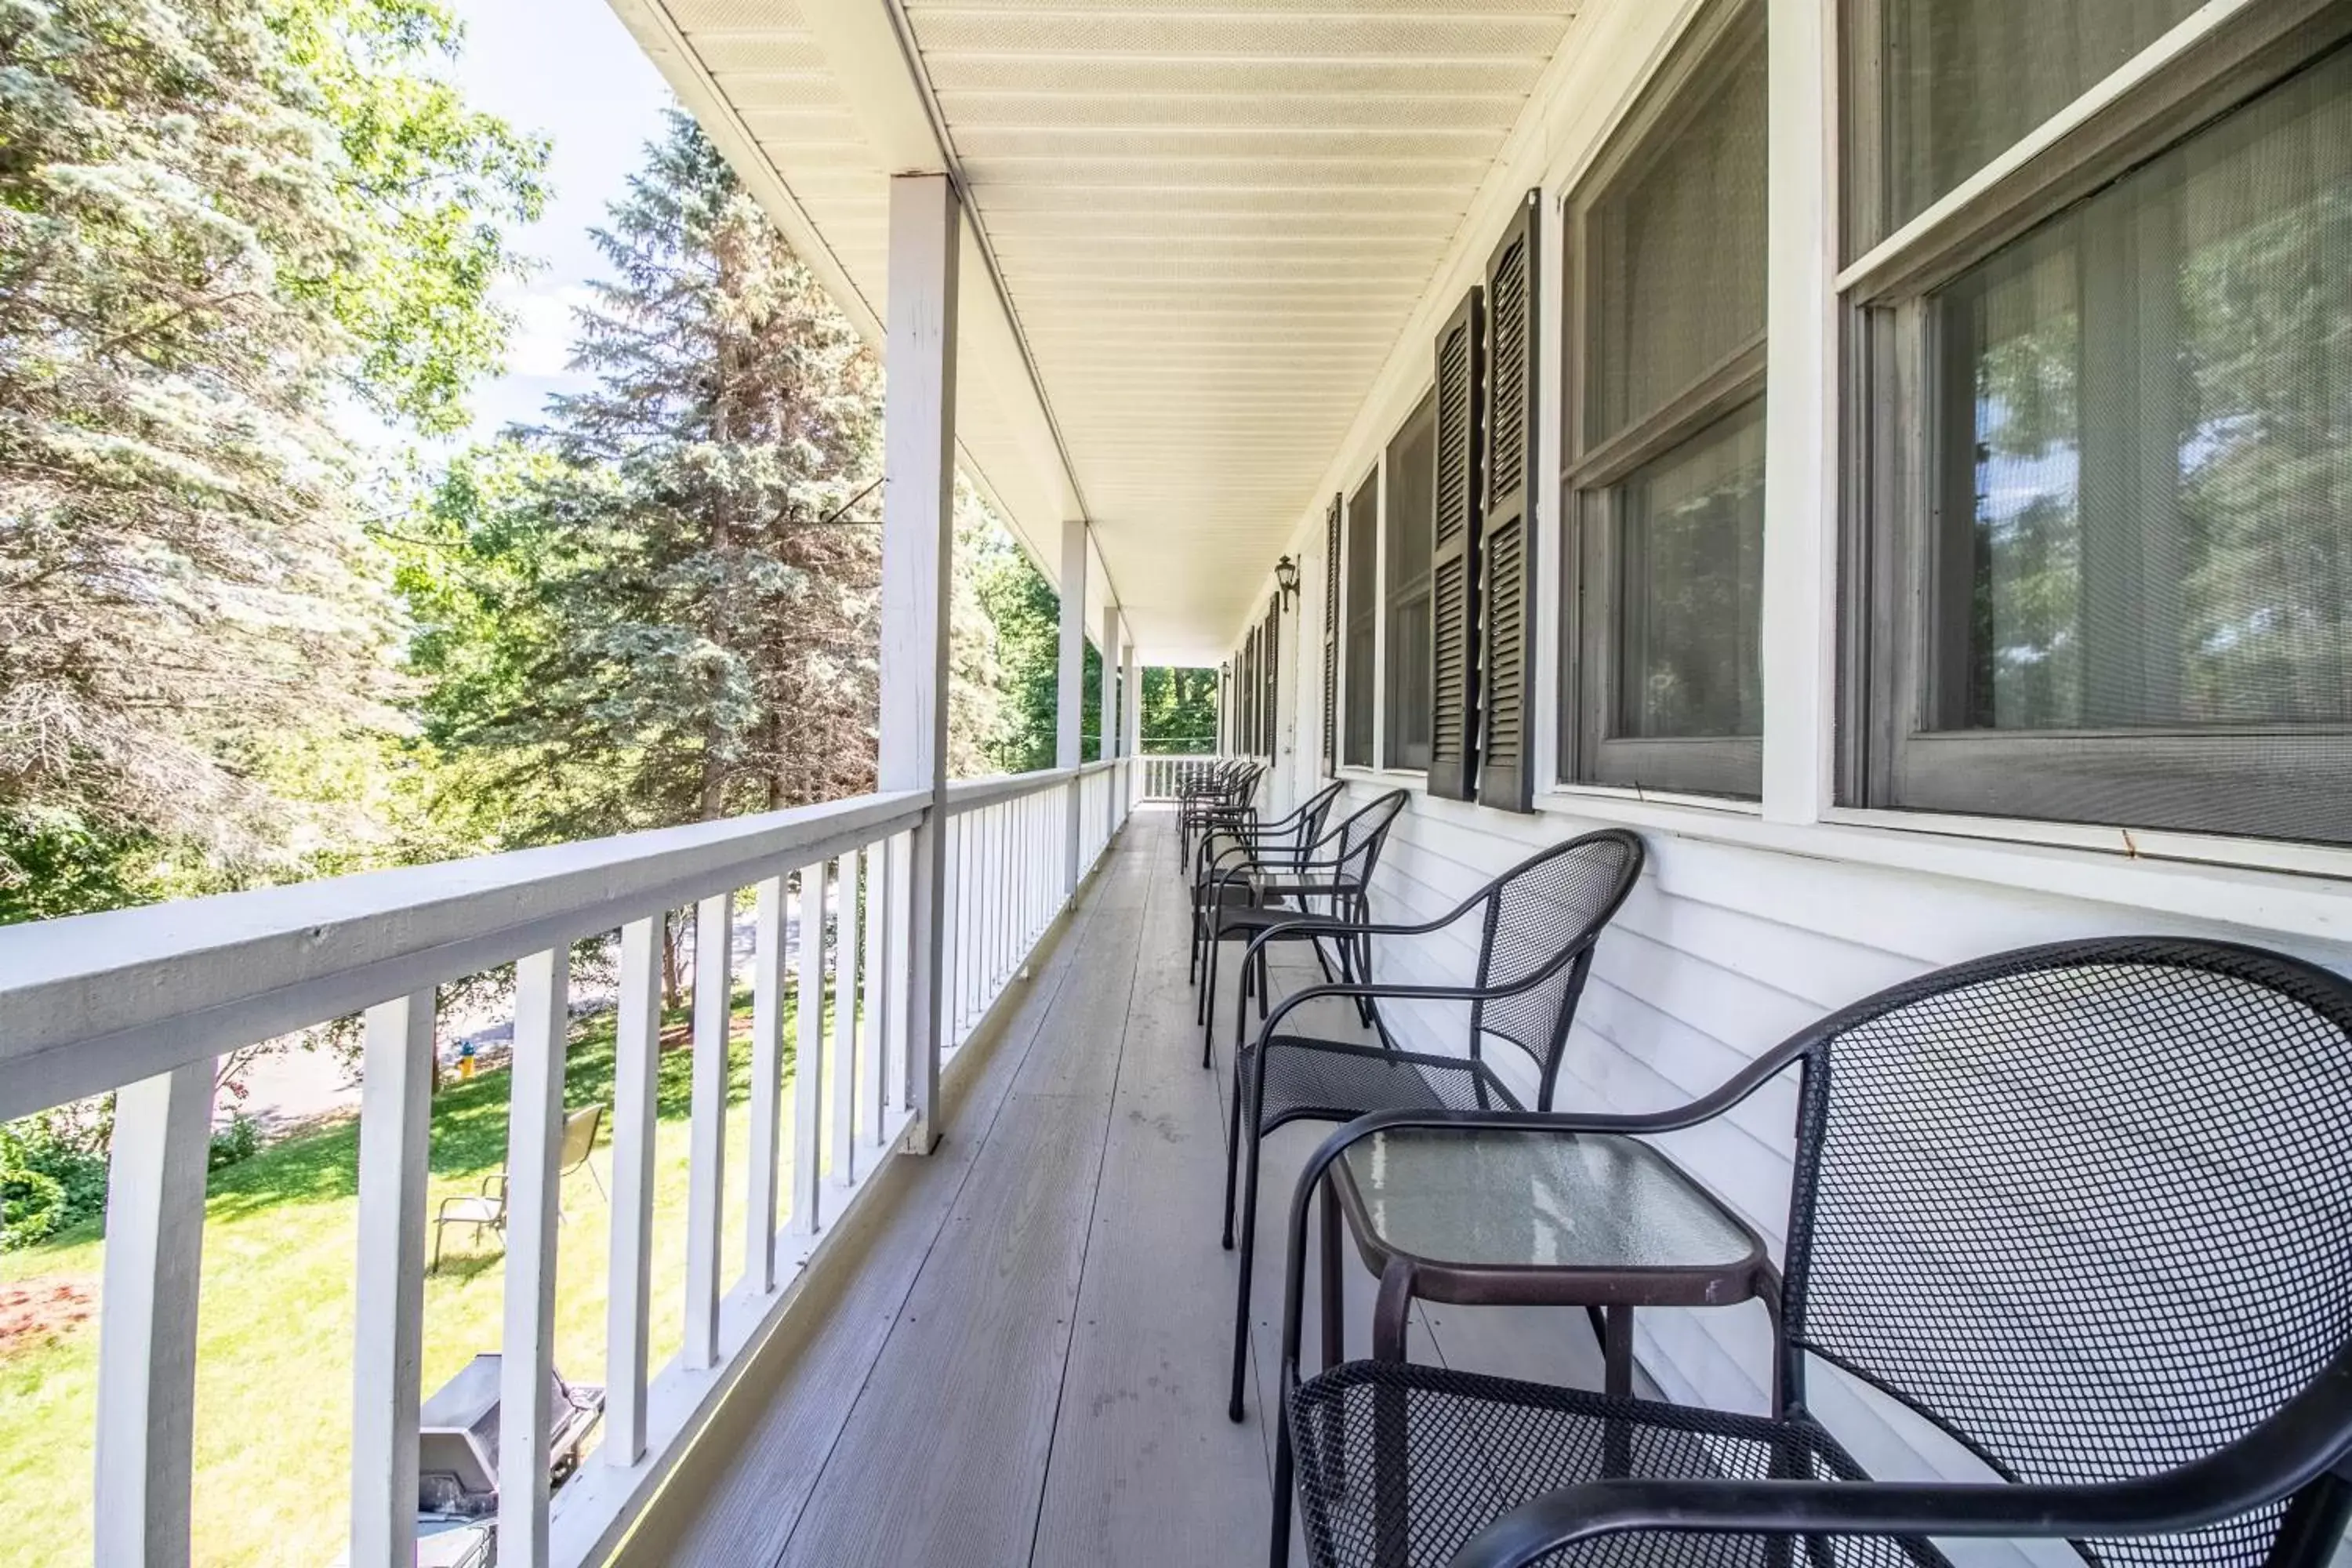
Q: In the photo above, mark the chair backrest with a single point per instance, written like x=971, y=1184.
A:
x=2087, y=1206
x=579, y=1137
x=1349, y=853
x=1551, y=903
x=1313, y=812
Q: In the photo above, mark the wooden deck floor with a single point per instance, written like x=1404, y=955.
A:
x=1026, y=1361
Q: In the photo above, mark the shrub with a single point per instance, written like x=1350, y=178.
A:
x=237, y=1141
x=48, y=1179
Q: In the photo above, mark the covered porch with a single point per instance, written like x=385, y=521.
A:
x=1409, y=363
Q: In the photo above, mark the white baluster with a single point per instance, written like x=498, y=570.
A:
x=900, y=1034
x=706, y=1169
x=845, y=1018
x=766, y=1129
x=873, y=993
x=637, y=1087
x=147, y=1331
x=388, y=1337
x=527, y=1369
x=808, y=1054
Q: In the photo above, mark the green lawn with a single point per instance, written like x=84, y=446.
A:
x=273, y=1380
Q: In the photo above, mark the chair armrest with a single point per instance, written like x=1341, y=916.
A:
x=2236, y=1480
x=1332, y=927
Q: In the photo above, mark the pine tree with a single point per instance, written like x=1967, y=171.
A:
x=216, y=219
x=703, y=561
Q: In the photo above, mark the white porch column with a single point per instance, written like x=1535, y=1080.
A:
x=1800, y=456
x=1106, y=709
x=1070, y=689
x=918, y=507
x=1130, y=715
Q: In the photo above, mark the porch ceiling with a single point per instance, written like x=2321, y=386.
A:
x=1210, y=221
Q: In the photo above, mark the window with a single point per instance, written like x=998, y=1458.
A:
x=1411, y=493
x=1950, y=84
x=1666, y=479
x=1363, y=602
x=2103, y=569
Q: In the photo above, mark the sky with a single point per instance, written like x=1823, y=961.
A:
x=568, y=70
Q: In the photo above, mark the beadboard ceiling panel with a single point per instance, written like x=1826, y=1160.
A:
x=1199, y=227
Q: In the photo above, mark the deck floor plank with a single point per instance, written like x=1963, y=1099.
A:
x=943, y=1459
x=1146, y=1469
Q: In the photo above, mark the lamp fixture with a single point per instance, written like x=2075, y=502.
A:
x=1285, y=577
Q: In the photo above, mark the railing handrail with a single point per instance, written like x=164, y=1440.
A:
x=91, y=1002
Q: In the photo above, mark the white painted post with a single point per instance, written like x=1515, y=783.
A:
x=388, y=1336
x=917, y=503
x=705, y=1143
x=147, y=1334
x=1107, y=701
x=873, y=996
x=527, y=1347
x=808, y=1053
x=845, y=1018
x=1131, y=735
x=1799, y=635
x=766, y=1129
x=1069, y=682
x=636, y=1074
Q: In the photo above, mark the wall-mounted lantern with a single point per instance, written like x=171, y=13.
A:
x=1285, y=577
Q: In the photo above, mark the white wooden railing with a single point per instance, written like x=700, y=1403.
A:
x=143, y=1001
x=1165, y=776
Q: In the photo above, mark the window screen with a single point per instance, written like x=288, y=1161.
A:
x=1691, y=575
x=1675, y=251
x=1363, y=609
x=2140, y=562
x=1411, y=495
x=1953, y=83
x=1669, y=481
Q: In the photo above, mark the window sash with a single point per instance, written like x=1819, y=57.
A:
x=1903, y=662
x=1410, y=499
x=1592, y=480
x=1359, y=568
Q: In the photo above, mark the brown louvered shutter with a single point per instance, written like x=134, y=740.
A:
x=1459, y=511
x=1272, y=717
x=1506, y=761
x=1331, y=641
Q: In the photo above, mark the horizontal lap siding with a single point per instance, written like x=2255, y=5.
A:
x=1721, y=953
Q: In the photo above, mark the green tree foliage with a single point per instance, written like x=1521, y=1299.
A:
x=1180, y=709
x=1180, y=706
x=661, y=606
x=216, y=220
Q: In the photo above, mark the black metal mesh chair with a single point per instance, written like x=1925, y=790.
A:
x=2085, y=1208
x=1226, y=794
x=1335, y=871
x=1256, y=850
x=1539, y=923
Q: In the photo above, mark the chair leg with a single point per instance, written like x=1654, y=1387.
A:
x=598, y=1180
x=1335, y=1332
x=1233, y=1157
x=1248, y=1261
x=1209, y=1008
x=1279, y=1553
x=438, y=1227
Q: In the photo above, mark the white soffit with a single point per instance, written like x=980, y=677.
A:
x=1212, y=221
